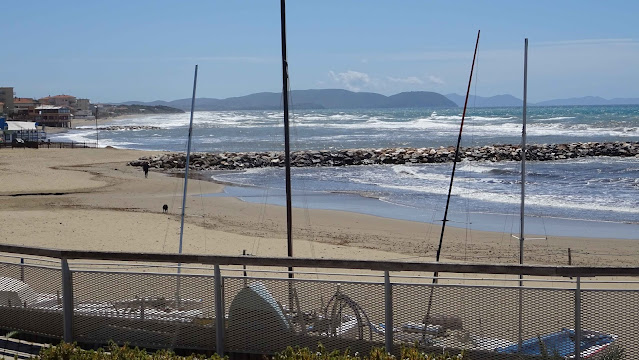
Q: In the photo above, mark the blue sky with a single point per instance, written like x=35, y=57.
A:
x=111, y=51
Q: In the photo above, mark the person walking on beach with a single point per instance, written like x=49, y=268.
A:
x=145, y=167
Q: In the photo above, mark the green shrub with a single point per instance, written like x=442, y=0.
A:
x=66, y=351
x=615, y=353
x=411, y=353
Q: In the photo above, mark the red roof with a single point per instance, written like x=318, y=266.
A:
x=58, y=97
x=23, y=100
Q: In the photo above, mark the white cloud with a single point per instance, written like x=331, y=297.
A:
x=436, y=80
x=412, y=80
x=359, y=81
x=352, y=80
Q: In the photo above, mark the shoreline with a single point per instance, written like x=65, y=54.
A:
x=103, y=204
x=75, y=123
x=536, y=226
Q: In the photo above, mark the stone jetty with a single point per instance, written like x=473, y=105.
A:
x=308, y=158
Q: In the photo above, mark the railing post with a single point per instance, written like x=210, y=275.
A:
x=67, y=301
x=219, y=312
x=388, y=310
x=578, y=319
x=22, y=269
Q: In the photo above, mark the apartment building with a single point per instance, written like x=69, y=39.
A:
x=21, y=106
x=59, y=100
x=51, y=115
x=6, y=97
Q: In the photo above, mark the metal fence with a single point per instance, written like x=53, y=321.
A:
x=250, y=305
x=47, y=145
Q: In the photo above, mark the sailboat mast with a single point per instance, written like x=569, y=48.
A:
x=523, y=158
x=287, y=147
x=186, y=166
x=452, y=176
x=450, y=188
x=523, y=197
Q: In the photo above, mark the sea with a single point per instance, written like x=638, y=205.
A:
x=585, y=197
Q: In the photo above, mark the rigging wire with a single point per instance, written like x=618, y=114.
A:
x=472, y=141
x=204, y=213
x=176, y=182
x=307, y=218
x=455, y=159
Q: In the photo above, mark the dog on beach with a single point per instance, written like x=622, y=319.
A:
x=165, y=208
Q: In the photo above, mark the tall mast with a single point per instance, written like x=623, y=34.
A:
x=186, y=182
x=523, y=158
x=450, y=188
x=523, y=195
x=186, y=167
x=287, y=147
x=452, y=176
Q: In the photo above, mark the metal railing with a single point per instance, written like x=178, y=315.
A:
x=215, y=304
x=47, y=145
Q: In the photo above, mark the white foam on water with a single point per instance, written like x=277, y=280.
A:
x=74, y=136
x=477, y=167
x=551, y=201
x=554, y=118
x=490, y=118
x=466, y=188
x=412, y=172
x=84, y=136
x=346, y=137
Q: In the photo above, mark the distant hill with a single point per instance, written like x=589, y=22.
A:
x=509, y=100
x=590, y=100
x=313, y=99
x=108, y=110
x=481, y=101
x=344, y=99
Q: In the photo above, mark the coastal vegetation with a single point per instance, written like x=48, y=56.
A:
x=66, y=351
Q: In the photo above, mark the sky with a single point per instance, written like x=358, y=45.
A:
x=116, y=51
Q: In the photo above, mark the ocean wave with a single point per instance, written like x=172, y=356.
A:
x=413, y=172
x=435, y=124
x=549, y=201
x=554, y=118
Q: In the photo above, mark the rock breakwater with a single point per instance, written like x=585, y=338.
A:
x=310, y=158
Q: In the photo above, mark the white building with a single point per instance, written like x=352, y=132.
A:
x=24, y=130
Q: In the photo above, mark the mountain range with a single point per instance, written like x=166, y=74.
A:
x=509, y=100
x=313, y=99
x=344, y=99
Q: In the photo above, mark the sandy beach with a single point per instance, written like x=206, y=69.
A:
x=90, y=199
